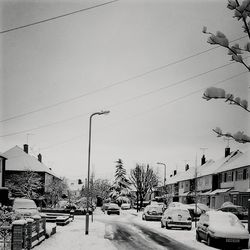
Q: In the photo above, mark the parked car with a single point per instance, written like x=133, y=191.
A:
x=113, y=208
x=125, y=206
x=224, y=229
x=152, y=212
x=239, y=211
x=176, y=218
x=25, y=207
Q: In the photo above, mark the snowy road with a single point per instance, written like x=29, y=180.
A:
x=126, y=232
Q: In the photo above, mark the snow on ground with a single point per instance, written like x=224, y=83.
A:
x=72, y=237
x=186, y=237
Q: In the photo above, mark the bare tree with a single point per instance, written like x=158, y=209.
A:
x=54, y=191
x=242, y=13
x=26, y=184
x=144, y=180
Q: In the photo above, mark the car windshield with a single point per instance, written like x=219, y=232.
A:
x=178, y=211
x=113, y=206
x=157, y=209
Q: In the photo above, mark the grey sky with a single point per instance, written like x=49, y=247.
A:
x=106, y=58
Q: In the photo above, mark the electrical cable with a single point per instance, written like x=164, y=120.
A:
x=113, y=84
x=56, y=17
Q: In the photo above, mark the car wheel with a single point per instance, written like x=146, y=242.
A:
x=198, y=238
x=167, y=227
x=209, y=241
x=162, y=226
x=118, y=213
x=189, y=228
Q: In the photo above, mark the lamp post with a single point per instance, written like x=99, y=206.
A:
x=163, y=164
x=90, y=123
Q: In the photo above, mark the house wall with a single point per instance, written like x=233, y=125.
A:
x=237, y=179
x=204, y=183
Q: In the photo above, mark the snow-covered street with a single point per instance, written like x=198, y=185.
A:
x=126, y=231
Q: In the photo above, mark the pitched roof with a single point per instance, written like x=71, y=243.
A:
x=237, y=161
x=18, y=160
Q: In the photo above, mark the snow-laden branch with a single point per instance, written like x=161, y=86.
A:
x=238, y=136
x=218, y=93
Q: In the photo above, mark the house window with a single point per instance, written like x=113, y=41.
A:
x=206, y=180
x=239, y=175
x=236, y=175
x=232, y=176
x=244, y=175
x=186, y=184
x=225, y=177
x=229, y=176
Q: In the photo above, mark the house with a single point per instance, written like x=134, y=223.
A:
x=2, y=170
x=4, y=196
x=234, y=177
x=19, y=160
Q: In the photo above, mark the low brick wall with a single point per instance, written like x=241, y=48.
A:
x=28, y=233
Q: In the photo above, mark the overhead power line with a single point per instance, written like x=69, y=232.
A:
x=131, y=99
x=113, y=84
x=56, y=17
x=147, y=111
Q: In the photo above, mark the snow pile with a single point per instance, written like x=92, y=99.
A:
x=109, y=233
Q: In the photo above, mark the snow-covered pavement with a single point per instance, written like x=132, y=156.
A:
x=104, y=228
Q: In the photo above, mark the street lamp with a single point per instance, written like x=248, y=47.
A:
x=87, y=212
x=160, y=163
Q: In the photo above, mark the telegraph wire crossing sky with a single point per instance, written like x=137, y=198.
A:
x=139, y=60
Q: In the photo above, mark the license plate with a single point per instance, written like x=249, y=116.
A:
x=233, y=240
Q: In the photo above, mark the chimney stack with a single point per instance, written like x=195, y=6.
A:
x=203, y=160
x=227, y=151
x=26, y=148
x=175, y=172
x=39, y=157
x=187, y=167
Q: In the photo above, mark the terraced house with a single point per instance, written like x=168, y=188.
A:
x=214, y=182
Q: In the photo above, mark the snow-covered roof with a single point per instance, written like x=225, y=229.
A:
x=236, y=161
x=213, y=167
x=18, y=160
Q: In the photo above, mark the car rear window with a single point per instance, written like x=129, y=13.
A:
x=157, y=209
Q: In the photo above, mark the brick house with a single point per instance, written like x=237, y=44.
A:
x=19, y=160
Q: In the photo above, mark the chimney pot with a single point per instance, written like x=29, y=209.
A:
x=203, y=160
x=26, y=148
x=227, y=151
x=39, y=157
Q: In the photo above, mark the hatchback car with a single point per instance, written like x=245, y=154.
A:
x=25, y=207
x=176, y=218
x=224, y=229
x=152, y=212
x=113, y=209
x=239, y=211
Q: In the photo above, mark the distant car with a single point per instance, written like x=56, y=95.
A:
x=125, y=206
x=25, y=207
x=220, y=228
x=152, y=212
x=239, y=211
x=176, y=218
x=113, y=208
